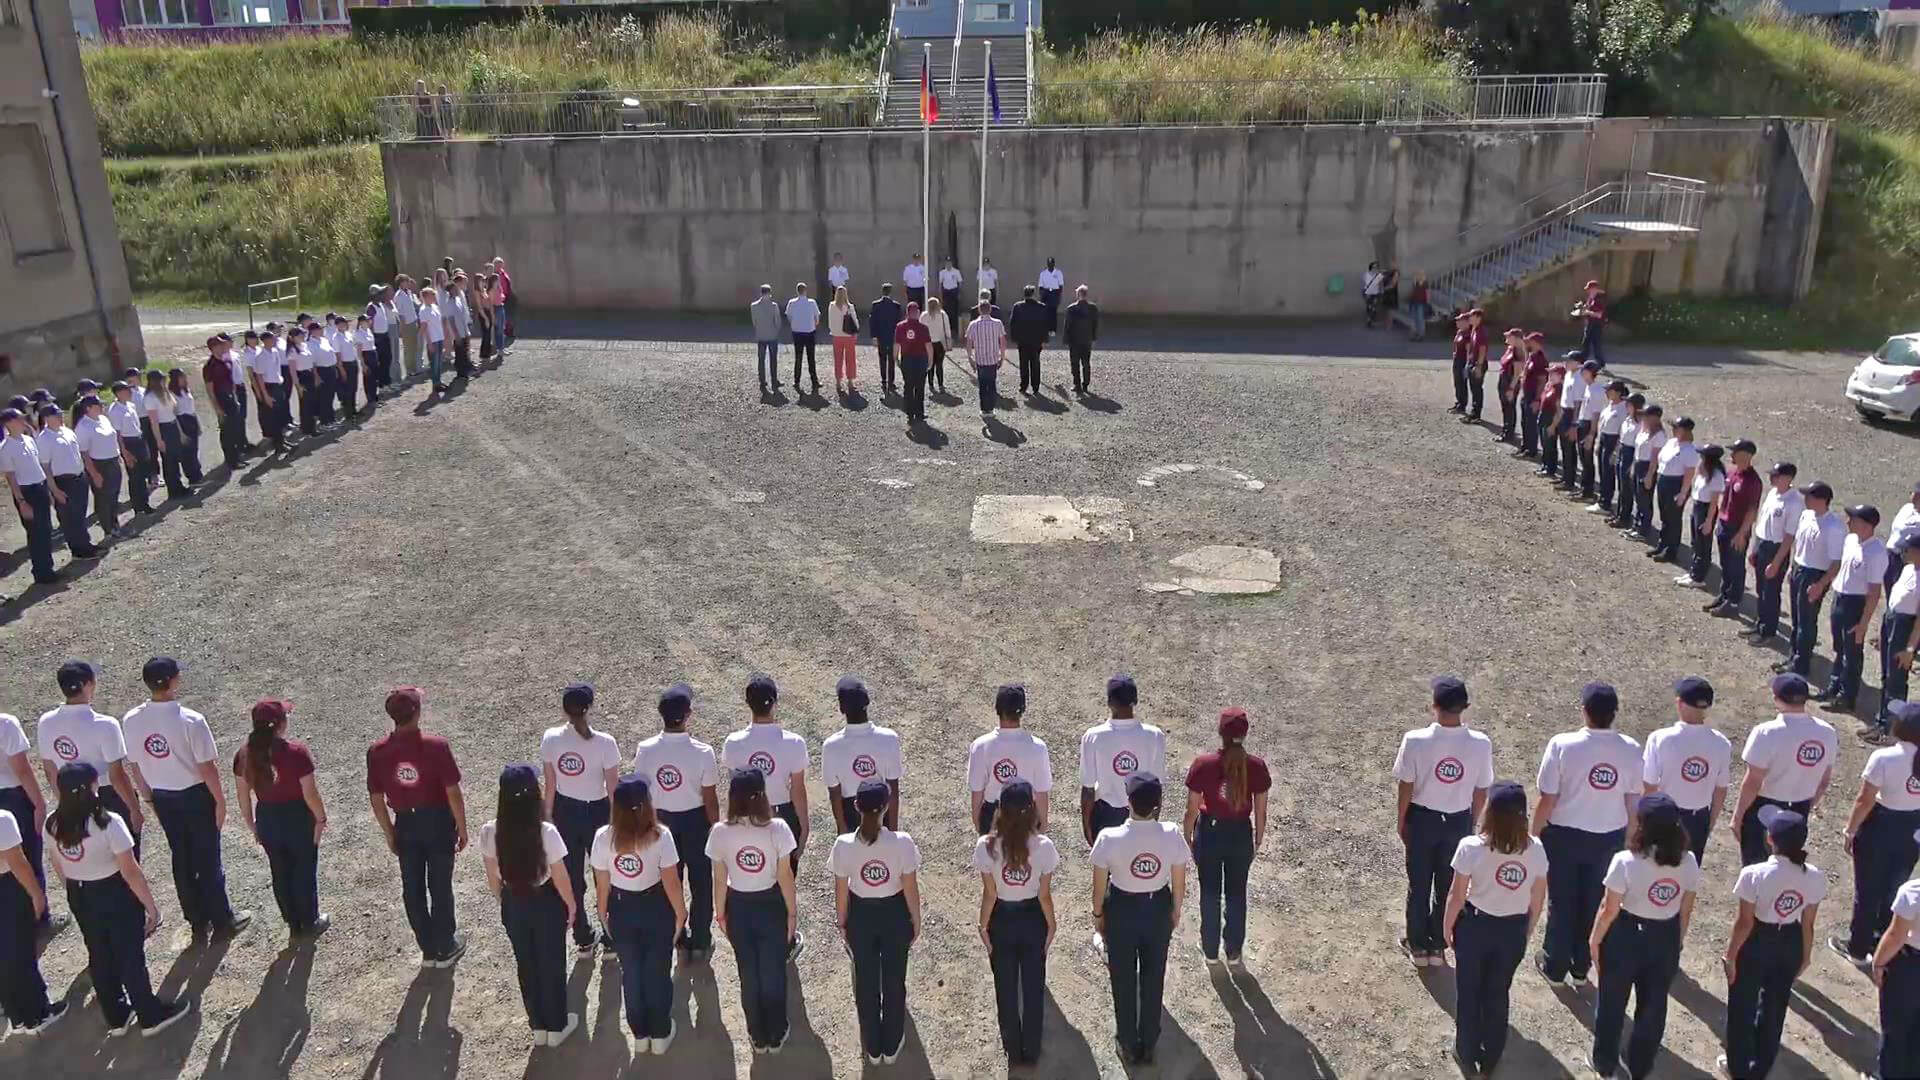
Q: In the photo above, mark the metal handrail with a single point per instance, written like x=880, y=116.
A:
x=607, y=112
x=884, y=80
x=276, y=291
x=1475, y=237
x=959, y=27
x=1031, y=77
x=1475, y=100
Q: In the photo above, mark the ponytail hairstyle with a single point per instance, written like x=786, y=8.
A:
x=1012, y=835
x=1660, y=837
x=870, y=825
x=269, y=720
x=871, y=801
x=575, y=700
x=633, y=820
x=79, y=803
x=1906, y=729
x=1712, y=457
x=1795, y=853
x=517, y=840
x=1504, y=823
x=1233, y=757
x=157, y=384
x=747, y=798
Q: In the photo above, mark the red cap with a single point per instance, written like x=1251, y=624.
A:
x=271, y=711
x=1233, y=722
x=404, y=704
x=1592, y=285
x=1515, y=332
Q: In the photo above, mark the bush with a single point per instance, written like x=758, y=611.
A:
x=1072, y=20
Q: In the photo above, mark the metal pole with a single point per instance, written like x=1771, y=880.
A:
x=986, y=119
x=926, y=165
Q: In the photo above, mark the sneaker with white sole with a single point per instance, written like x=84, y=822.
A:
x=659, y=1046
x=875, y=1060
x=539, y=1038
x=555, y=1038
x=1839, y=945
x=177, y=1012
x=55, y=1013
x=1236, y=960
x=1416, y=957
x=888, y=1059
x=454, y=954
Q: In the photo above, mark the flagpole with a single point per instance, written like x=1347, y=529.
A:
x=926, y=160
x=986, y=119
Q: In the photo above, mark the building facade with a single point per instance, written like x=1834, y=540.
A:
x=977, y=18
x=66, y=305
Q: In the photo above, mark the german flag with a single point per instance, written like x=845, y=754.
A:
x=929, y=101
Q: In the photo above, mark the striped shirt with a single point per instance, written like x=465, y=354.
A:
x=987, y=338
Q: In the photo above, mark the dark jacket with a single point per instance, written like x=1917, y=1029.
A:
x=1030, y=323
x=1082, y=326
x=882, y=317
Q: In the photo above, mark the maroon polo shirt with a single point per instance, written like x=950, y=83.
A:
x=411, y=768
x=1207, y=777
x=1744, y=491
x=1509, y=360
x=218, y=371
x=1535, y=376
x=1461, y=338
x=1477, y=344
x=913, y=337
x=292, y=762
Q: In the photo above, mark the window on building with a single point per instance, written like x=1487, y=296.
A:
x=1900, y=43
x=29, y=203
x=993, y=12
x=249, y=12
x=915, y=3
x=323, y=11
x=157, y=12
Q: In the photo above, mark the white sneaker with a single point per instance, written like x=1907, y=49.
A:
x=889, y=1059
x=876, y=1060
x=659, y=1046
x=555, y=1038
x=1687, y=579
x=539, y=1037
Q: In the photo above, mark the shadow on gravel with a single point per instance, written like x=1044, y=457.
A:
x=772, y=397
x=703, y=1040
x=1040, y=402
x=912, y=1060
x=420, y=1046
x=1100, y=404
x=1712, y=1011
x=1851, y=1039
x=927, y=435
x=1001, y=433
x=854, y=401
x=1064, y=1050
x=266, y=1038
x=805, y=1054
x=812, y=399
x=941, y=397
x=1265, y=1044
x=1523, y=1056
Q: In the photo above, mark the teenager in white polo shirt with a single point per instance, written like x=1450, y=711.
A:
x=1442, y=771
x=1500, y=877
x=1896, y=971
x=754, y=902
x=1880, y=834
x=23, y=903
x=1688, y=760
x=1771, y=941
x=1003, y=755
x=1857, y=586
x=74, y=732
x=1637, y=937
x=580, y=766
x=32, y=492
x=781, y=756
x=637, y=878
x=1899, y=631
x=858, y=752
x=20, y=796
x=1789, y=761
x=877, y=900
x=406, y=312
x=1673, y=473
x=176, y=765
x=1588, y=780
x=1016, y=863
x=914, y=277
x=1772, y=545
x=527, y=872
x=1819, y=539
x=1112, y=751
x=1139, y=882
x=684, y=774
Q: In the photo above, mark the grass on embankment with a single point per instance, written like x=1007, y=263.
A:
x=156, y=97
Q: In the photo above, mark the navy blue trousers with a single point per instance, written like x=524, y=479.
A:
x=1767, y=590
x=425, y=839
x=1849, y=656
x=1806, y=617
x=879, y=930
x=293, y=860
x=1757, y=1000
x=1487, y=950
x=1900, y=1016
x=1431, y=840
x=641, y=924
x=23, y=993
x=1223, y=853
x=113, y=925
x=1895, y=630
x=577, y=822
x=757, y=929
x=536, y=924
x=689, y=829
x=1017, y=933
x=1638, y=957
x=1578, y=861
x=1138, y=933
x=186, y=816
x=1883, y=856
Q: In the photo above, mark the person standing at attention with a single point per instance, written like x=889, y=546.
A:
x=1080, y=331
x=859, y=752
x=1508, y=387
x=20, y=796
x=174, y=763
x=986, y=347
x=1856, y=596
x=780, y=757
x=1593, y=310
x=223, y=388
x=1372, y=284
x=1880, y=835
x=1896, y=971
x=506, y=305
x=433, y=336
x=1636, y=940
x=1442, y=772
x=876, y=893
x=1703, y=509
x=1592, y=401
x=1029, y=324
x=914, y=341
x=843, y=323
x=413, y=786
x=1588, y=781
x=1819, y=540
x=950, y=280
x=1500, y=878
x=1607, y=428
x=66, y=466
x=269, y=388
x=1688, y=761
x=1646, y=460
x=1673, y=472
x=1139, y=882
x=74, y=732
x=27, y=477
x=637, y=878
x=1476, y=373
x=1052, y=282
x=1225, y=825
x=1004, y=755
x=1533, y=382
x=580, y=767
x=406, y=311
x=1564, y=420
x=105, y=472
x=1789, y=763
x=380, y=320
x=988, y=280
x=527, y=873
x=1110, y=752
x=1462, y=324
x=1625, y=486
x=803, y=318
x=1016, y=864
x=1774, y=526
x=1899, y=636
x=765, y=313
x=883, y=315
x=914, y=277
x=838, y=277
x=289, y=817
x=939, y=337
x=23, y=903
x=1771, y=943
x=683, y=777
x=753, y=855
x=1739, y=505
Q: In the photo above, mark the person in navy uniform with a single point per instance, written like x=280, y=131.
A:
x=1139, y=881
x=1636, y=939
x=1771, y=942
x=755, y=905
x=1896, y=971
x=1442, y=773
x=876, y=889
x=1226, y=823
x=1857, y=592
x=1880, y=834
x=1499, y=887
x=1003, y=755
x=579, y=768
x=882, y=317
x=1789, y=763
x=1016, y=863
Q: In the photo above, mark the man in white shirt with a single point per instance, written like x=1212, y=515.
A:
x=406, y=310
x=1856, y=596
x=684, y=773
x=1608, y=424
x=988, y=280
x=1052, y=282
x=1624, y=455
x=1003, y=755
x=1688, y=760
x=950, y=280
x=1593, y=399
x=1819, y=540
x=1675, y=466
x=1789, y=763
x=837, y=274
x=1442, y=771
x=1589, y=781
x=914, y=277
x=1112, y=751
x=781, y=756
x=27, y=481
x=803, y=318
x=75, y=732
x=1573, y=397
x=859, y=752
x=1899, y=631
x=1772, y=545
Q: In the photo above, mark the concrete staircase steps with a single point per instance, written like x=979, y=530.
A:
x=1009, y=70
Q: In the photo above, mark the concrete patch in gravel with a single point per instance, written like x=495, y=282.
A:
x=1048, y=519
x=1220, y=569
x=1154, y=476
x=890, y=482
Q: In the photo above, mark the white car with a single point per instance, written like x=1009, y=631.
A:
x=1887, y=384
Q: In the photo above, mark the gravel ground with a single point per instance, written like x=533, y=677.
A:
x=584, y=512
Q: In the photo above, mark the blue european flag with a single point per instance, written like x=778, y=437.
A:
x=993, y=90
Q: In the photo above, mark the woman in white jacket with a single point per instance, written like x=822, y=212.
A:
x=936, y=321
x=844, y=323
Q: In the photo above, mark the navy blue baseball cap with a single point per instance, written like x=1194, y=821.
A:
x=1143, y=792
x=1600, y=700
x=1659, y=807
x=1695, y=691
x=1506, y=795
x=744, y=782
x=1122, y=691
x=159, y=671
x=519, y=779
x=577, y=697
x=852, y=694
x=676, y=702
x=1010, y=700
x=1743, y=446
x=873, y=795
x=1450, y=692
x=1787, y=828
x=1016, y=794
x=1790, y=688
x=632, y=792
x=761, y=693
x=73, y=675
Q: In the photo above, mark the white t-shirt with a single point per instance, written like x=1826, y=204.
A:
x=59, y=451
x=803, y=314
x=1117, y=749
x=1004, y=755
x=13, y=740
x=1688, y=762
x=1646, y=888
x=860, y=752
x=1650, y=445
x=580, y=765
x=9, y=838
x=751, y=853
x=1905, y=598
x=1499, y=884
x=1052, y=279
x=1863, y=564
x=1445, y=765
x=877, y=869
x=377, y=317
x=1594, y=401
x=838, y=275
x=1140, y=856
x=1906, y=905
x=1677, y=457
x=266, y=364
x=678, y=767
x=1706, y=487
x=914, y=275
x=183, y=403
x=1779, y=515
x=73, y=733
x=950, y=277
x=1797, y=752
x=20, y=456
x=302, y=357
x=433, y=323
x=1613, y=416
x=1891, y=770
x=776, y=752
x=1017, y=883
x=404, y=306
x=630, y=871
x=363, y=338
x=1573, y=390
x=1592, y=772
x=988, y=277
x=97, y=437
x=555, y=848
x=1779, y=890
x=1819, y=540
x=169, y=743
x=97, y=856
x=125, y=419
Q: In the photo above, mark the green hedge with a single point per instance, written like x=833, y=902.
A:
x=1067, y=21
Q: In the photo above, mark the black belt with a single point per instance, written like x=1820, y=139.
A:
x=1029, y=904
x=1777, y=927
x=1476, y=911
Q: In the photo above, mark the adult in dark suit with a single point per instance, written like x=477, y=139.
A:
x=1081, y=329
x=1029, y=326
x=882, y=317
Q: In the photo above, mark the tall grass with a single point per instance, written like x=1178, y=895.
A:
x=208, y=228
x=158, y=97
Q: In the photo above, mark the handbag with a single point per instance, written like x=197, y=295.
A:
x=848, y=325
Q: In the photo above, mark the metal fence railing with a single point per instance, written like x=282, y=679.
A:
x=280, y=292
x=1480, y=100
